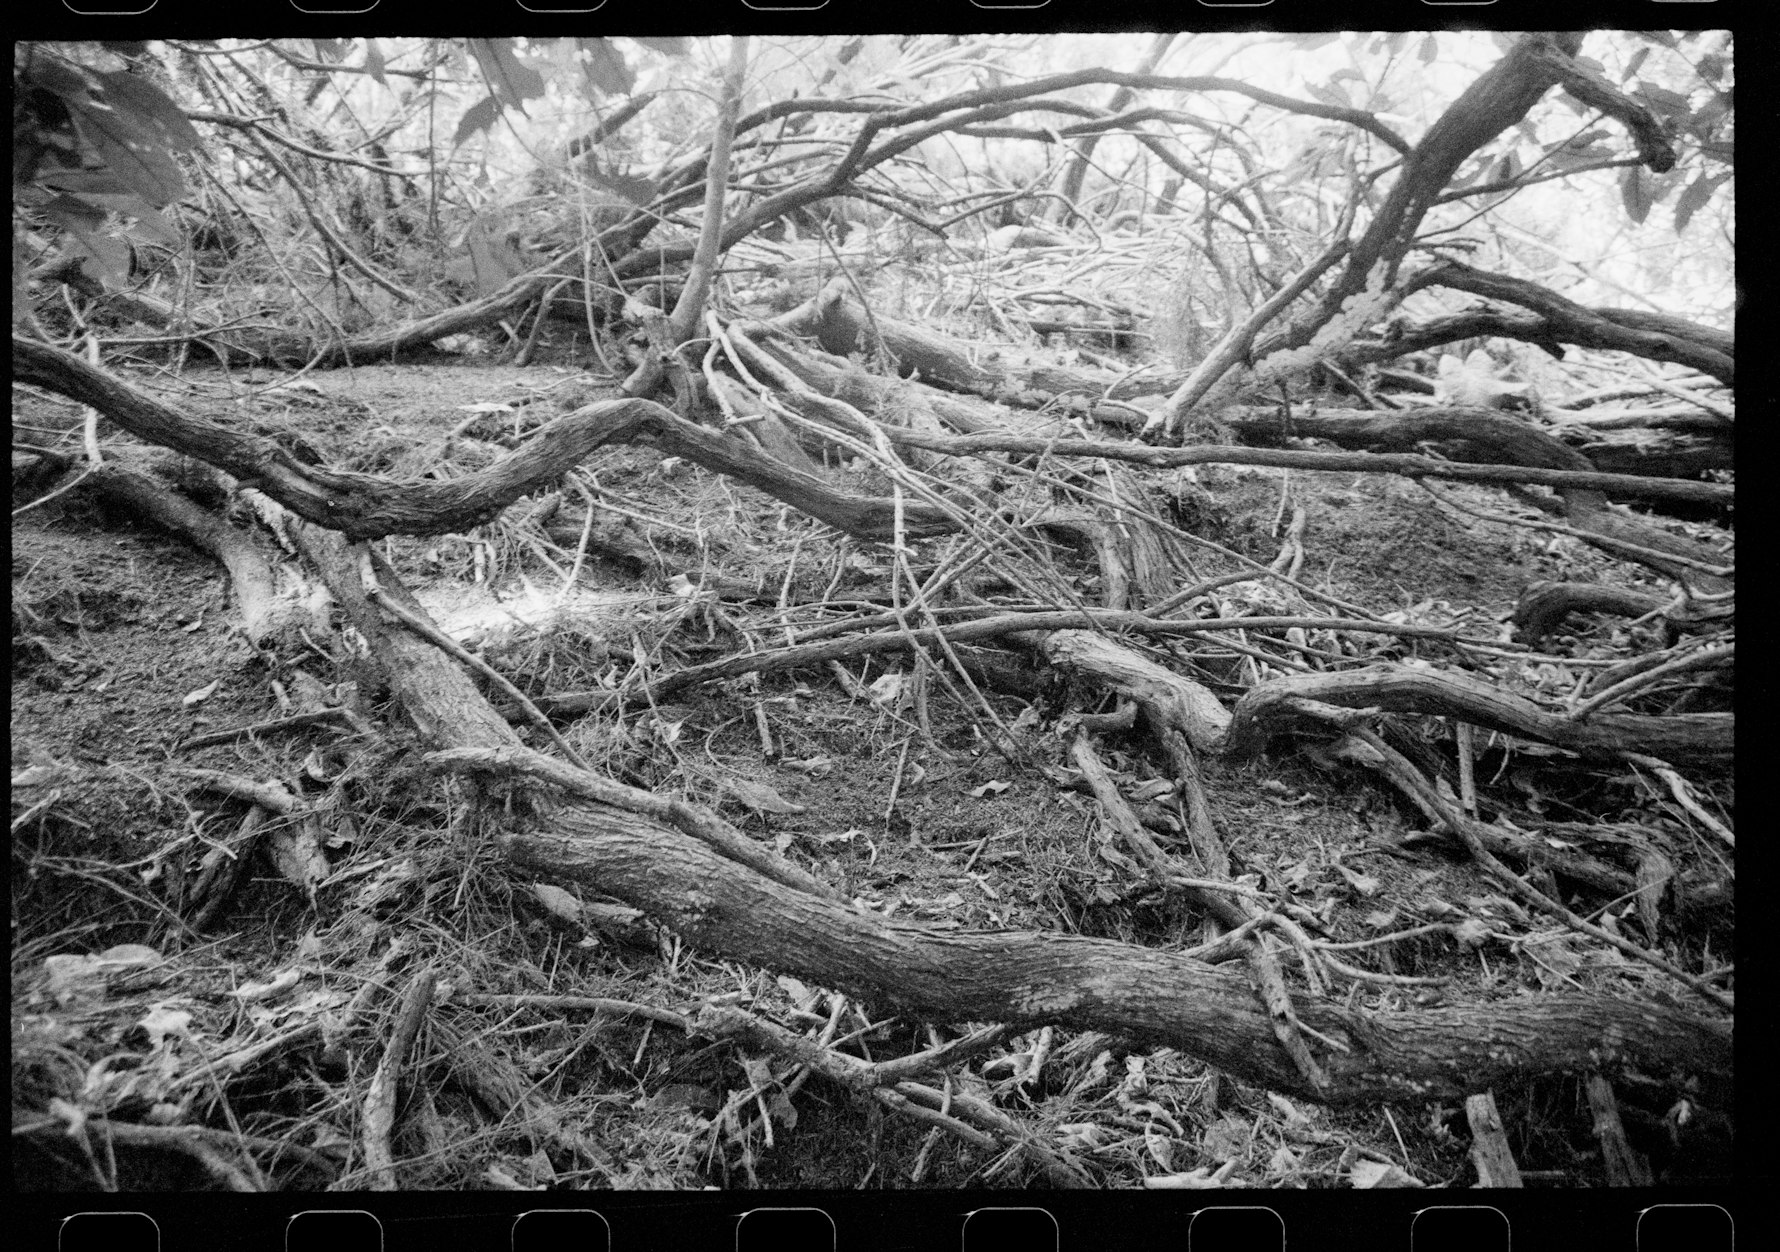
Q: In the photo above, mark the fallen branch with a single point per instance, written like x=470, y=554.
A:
x=1396, y=688
x=1410, y=465
x=1020, y=977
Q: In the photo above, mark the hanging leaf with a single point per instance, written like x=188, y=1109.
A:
x=1635, y=192
x=512, y=81
x=478, y=117
x=1708, y=115
x=1632, y=66
x=89, y=184
x=1720, y=151
x=1695, y=198
x=75, y=213
x=374, y=63
x=1663, y=102
x=152, y=106
x=1581, y=151
x=135, y=129
x=1429, y=51
x=110, y=256
x=668, y=46
x=606, y=71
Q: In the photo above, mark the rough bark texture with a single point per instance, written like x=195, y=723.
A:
x=1023, y=977
x=1687, y=738
x=366, y=506
x=1032, y=978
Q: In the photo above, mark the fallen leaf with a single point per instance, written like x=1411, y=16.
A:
x=815, y=766
x=201, y=694
x=265, y=989
x=759, y=797
x=1378, y=1176
x=887, y=689
x=1471, y=933
x=160, y=1022
x=1201, y=1179
x=562, y=903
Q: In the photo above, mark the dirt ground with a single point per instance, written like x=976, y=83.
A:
x=126, y=647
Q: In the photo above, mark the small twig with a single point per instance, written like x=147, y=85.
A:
x=295, y=721
x=765, y=730
x=1708, y=658
x=1467, y=770
x=896, y=785
x=380, y=1100
x=1683, y=793
x=66, y=487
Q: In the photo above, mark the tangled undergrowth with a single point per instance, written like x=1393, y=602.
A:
x=166, y=1035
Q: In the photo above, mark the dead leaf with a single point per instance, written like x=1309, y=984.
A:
x=888, y=689
x=815, y=766
x=1471, y=933
x=1377, y=1175
x=1293, y=1115
x=994, y=787
x=759, y=797
x=296, y=849
x=1160, y=1148
x=561, y=903
x=1363, y=884
x=1227, y=1138
x=160, y=1022
x=201, y=694
x=265, y=989
x=1201, y=1179
x=802, y=994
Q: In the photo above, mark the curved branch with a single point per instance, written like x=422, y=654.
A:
x=366, y=506
x=1499, y=98
x=1656, y=336
x=1691, y=737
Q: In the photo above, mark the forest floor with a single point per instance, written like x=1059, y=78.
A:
x=126, y=648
